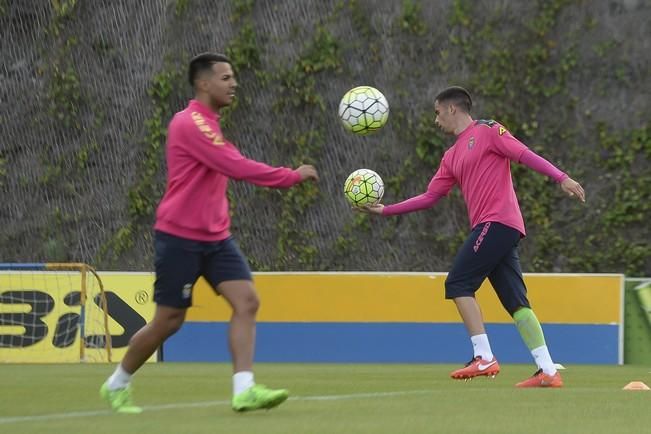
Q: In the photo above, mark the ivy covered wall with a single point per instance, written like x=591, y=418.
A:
x=89, y=87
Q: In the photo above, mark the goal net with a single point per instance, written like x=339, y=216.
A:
x=52, y=313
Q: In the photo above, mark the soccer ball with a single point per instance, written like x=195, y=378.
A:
x=363, y=110
x=364, y=187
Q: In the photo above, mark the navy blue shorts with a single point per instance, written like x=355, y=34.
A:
x=490, y=251
x=179, y=262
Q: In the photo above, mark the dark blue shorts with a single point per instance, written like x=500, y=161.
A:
x=490, y=251
x=179, y=262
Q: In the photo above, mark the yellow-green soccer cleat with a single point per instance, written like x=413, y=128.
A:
x=257, y=397
x=119, y=399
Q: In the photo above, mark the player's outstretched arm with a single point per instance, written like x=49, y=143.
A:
x=573, y=189
x=416, y=203
x=210, y=147
x=438, y=187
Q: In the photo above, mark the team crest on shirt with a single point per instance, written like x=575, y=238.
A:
x=501, y=131
x=471, y=143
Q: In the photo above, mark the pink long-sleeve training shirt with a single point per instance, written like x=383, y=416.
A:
x=479, y=162
x=199, y=163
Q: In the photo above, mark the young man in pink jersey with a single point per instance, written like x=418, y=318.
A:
x=479, y=163
x=192, y=237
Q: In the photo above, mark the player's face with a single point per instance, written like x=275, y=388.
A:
x=444, y=117
x=222, y=84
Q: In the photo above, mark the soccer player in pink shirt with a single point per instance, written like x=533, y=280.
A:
x=479, y=163
x=193, y=239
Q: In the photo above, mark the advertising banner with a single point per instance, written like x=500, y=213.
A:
x=41, y=319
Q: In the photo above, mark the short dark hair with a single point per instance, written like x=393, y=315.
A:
x=203, y=62
x=457, y=95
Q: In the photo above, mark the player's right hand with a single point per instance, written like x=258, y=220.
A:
x=370, y=209
x=307, y=171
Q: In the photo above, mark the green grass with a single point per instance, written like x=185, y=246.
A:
x=326, y=399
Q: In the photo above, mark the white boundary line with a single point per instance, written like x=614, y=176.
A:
x=151, y=408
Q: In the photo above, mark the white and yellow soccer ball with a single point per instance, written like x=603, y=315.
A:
x=364, y=187
x=363, y=110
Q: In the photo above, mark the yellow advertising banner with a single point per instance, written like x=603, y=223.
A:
x=41, y=316
x=42, y=320
x=414, y=297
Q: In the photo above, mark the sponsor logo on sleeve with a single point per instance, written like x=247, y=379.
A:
x=200, y=122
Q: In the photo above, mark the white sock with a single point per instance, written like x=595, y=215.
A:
x=241, y=381
x=481, y=347
x=544, y=360
x=119, y=380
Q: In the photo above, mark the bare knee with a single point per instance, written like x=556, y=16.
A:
x=248, y=304
x=168, y=323
x=242, y=297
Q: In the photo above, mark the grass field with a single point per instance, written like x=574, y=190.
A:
x=326, y=399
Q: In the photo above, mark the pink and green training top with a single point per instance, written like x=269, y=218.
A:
x=479, y=162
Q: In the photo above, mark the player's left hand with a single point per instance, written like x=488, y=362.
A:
x=573, y=189
x=370, y=209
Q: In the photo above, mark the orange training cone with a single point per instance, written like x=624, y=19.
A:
x=636, y=385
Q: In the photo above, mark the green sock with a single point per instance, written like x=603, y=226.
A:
x=529, y=328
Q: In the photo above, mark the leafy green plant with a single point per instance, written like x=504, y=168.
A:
x=411, y=20
x=63, y=8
